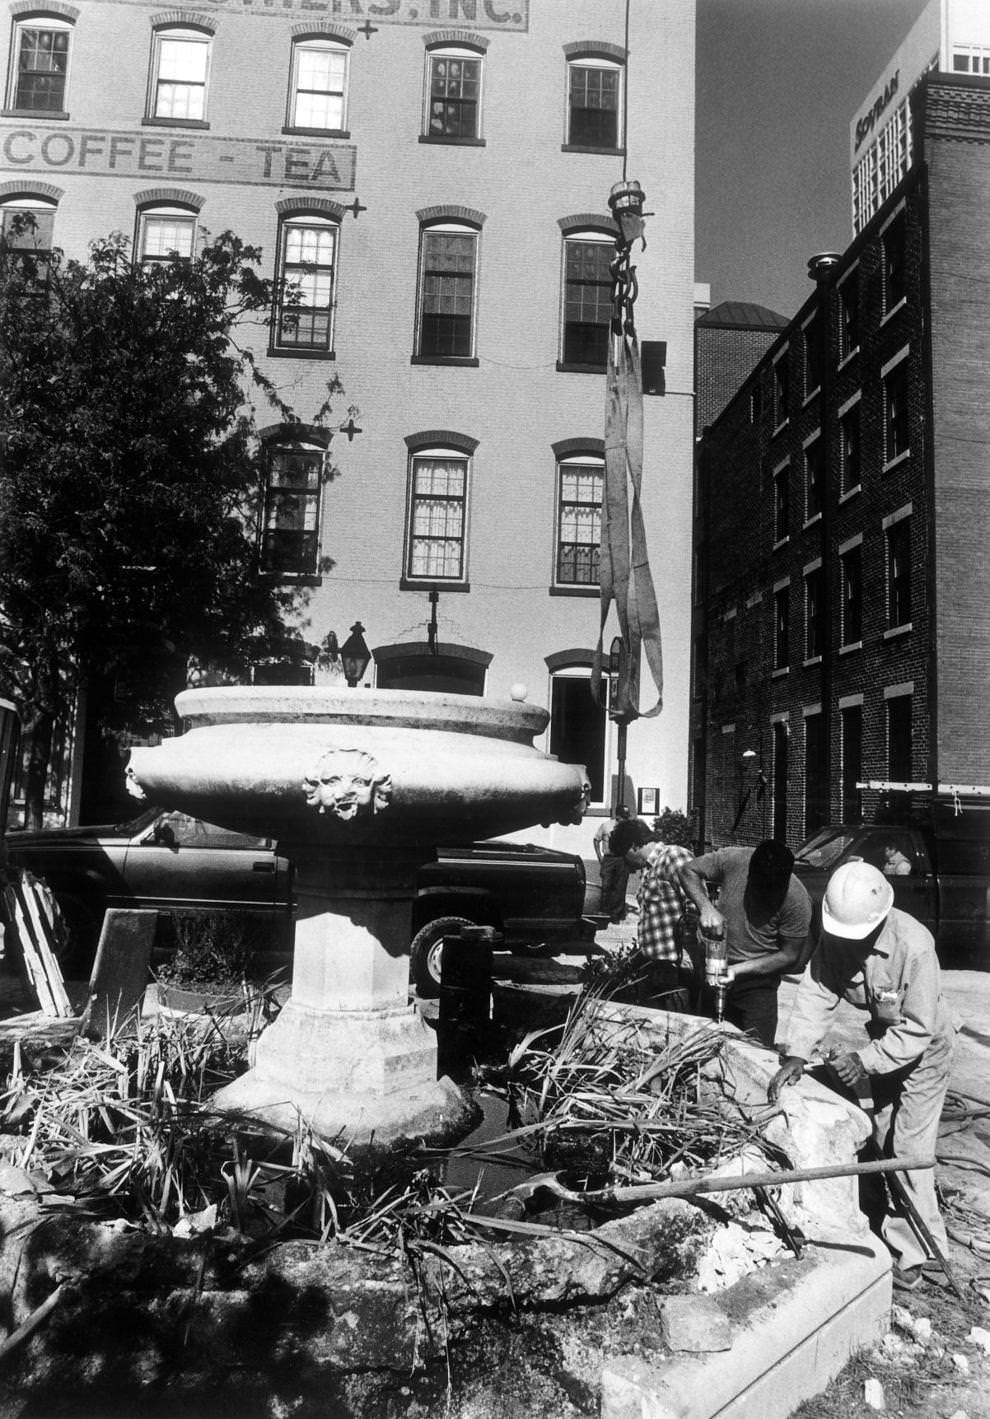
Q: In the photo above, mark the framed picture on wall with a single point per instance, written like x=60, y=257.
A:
x=648, y=802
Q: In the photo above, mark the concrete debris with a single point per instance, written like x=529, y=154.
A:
x=981, y=1337
x=961, y=1363
x=873, y=1395
x=733, y=1252
x=695, y=1324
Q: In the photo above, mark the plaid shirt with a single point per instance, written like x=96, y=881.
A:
x=661, y=902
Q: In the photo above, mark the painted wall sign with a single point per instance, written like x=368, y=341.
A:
x=166, y=153
x=482, y=14
x=868, y=122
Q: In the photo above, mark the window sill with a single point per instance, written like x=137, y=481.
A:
x=889, y=315
x=197, y=123
x=850, y=493
x=470, y=362
x=563, y=367
x=780, y=542
x=779, y=428
x=583, y=148
x=779, y=672
x=893, y=462
x=811, y=661
x=432, y=583
x=848, y=649
x=292, y=578
x=277, y=353
x=445, y=142
x=290, y=131
x=575, y=591
x=811, y=395
x=810, y=521
x=896, y=631
x=58, y=115
x=846, y=358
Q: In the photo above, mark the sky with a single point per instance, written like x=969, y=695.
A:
x=778, y=82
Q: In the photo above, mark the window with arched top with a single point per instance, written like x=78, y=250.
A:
x=594, y=102
x=454, y=74
x=180, y=71
x=318, y=84
x=448, y=270
x=305, y=284
x=39, y=67
x=580, y=481
x=578, y=726
x=165, y=232
x=27, y=224
x=587, y=299
x=290, y=525
x=437, y=514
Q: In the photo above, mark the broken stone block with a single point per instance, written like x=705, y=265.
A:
x=695, y=1323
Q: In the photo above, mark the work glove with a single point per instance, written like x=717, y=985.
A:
x=849, y=1068
x=789, y=1073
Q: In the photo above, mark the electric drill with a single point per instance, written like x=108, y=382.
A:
x=716, y=965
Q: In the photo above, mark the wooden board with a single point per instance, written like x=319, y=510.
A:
x=120, y=971
x=30, y=910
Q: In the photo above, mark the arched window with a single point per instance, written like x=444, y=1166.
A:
x=448, y=269
x=452, y=110
x=578, y=726
x=437, y=512
x=594, y=98
x=39, y=70
x=587, y=299
x=180, y=70
x=290, y=530
x=305, y=276
x=27, y=226
x=166, y=232
x=580, y=480
x=318, y=85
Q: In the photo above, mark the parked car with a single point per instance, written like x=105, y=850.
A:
x=936, y=856
x=168, y=860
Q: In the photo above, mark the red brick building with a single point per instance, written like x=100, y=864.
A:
x=842, y=587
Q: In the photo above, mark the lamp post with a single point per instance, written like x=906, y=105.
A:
x=616, y=657
x=355, y=655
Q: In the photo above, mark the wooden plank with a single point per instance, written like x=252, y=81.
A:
x=41, y=911
x=120, y=971
x=25, y=945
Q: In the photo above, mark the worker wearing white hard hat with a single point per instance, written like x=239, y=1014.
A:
x=882, y=961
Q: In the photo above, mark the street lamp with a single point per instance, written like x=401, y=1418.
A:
x=355, y=655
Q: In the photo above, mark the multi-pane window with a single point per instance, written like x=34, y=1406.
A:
x=899, y=739
x=814, y=613
x=895, y=411
x=180, y=69
x=437, y=516
x=781, y=627
x=781, y=391
x=781, y=503
x=851, y=729
x=815, y=779
x=291, y=516
x=579, y=520
x=594, y=106
x=851, y=579
x=587, y=300
x=305, y=284
x=849, y=449
x=578, y=727
x=974, y=59
x=453, y=101
x=814, y=479
x=165, y=234
x=318, y=91
x=40, y=66
x=814, y=353
x=27, y=228
x=894, y=264
x=448, y=267
x=848, y=316
x=898, y=548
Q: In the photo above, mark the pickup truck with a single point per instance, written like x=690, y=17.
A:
x=936, y=855
x=533, y=896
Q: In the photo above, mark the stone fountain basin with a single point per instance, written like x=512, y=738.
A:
x=307, y=764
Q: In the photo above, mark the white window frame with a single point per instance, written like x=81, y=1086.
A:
x=326, y=45
x=602, y=63
x=179, y=34
x=417, y=501
x=594, y=464
x=184, y=218
x=37, y=206
x=285, y=280
x=446, y=228
x=441, y=53
x=584, y=237
x=19, y=29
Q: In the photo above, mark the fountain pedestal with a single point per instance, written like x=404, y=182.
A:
x=348, y=1055
x=358, y=788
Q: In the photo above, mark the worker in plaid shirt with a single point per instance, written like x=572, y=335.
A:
x=663, y=936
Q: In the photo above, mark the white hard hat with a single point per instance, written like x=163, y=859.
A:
x=857, y=899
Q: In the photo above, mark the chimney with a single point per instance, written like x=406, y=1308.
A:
x=819, y=266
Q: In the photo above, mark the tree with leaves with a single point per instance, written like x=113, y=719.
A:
x=131, y=478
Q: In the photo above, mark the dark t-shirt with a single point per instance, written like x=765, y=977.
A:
x=751, y=929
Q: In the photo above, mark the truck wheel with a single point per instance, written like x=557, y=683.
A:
x=75, y=948
x=426, y=953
